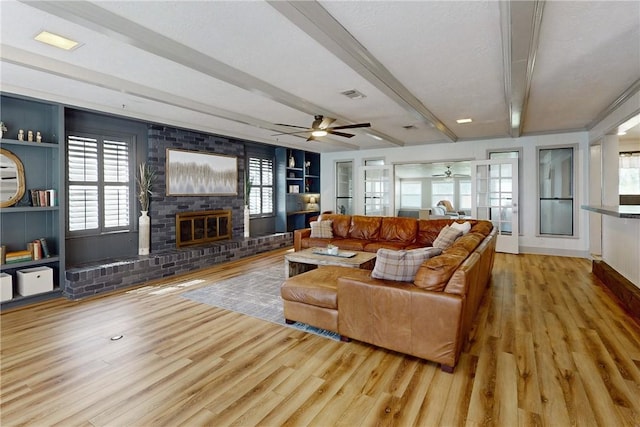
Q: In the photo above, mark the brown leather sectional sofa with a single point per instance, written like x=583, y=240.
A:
x=429, y=318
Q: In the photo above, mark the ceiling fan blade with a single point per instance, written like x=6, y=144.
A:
x=291, y=126
x=357, y=125
x=311, y=138
x=291, y=133
x=326, y=122
x=346, y=135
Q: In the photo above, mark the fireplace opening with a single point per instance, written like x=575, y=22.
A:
x=194, y=228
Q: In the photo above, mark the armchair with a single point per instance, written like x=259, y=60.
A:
x=446, y=208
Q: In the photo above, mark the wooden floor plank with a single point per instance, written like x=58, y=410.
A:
x=548, y=347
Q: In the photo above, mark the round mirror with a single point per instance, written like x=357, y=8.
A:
x=11, y=179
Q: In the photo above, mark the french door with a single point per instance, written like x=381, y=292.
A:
x=494, y=197
x=377, y=195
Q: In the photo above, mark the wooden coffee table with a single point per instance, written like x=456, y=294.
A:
x=299, y=262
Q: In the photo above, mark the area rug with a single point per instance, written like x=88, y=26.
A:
x=256, y=294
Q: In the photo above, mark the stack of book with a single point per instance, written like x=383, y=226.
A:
x=43, y=197
x=18, y=256
x=36, y=250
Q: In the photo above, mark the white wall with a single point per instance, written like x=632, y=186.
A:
x=477, y=150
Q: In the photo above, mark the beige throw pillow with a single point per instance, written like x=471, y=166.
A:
x=401, y=265
x=321, y=229
x=447, y=236
x=465, y=227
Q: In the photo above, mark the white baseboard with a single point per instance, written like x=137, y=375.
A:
x=555, y=252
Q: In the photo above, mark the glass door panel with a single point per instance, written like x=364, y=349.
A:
x=494, y=196
x=378, y=190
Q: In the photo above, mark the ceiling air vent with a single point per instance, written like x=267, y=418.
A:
x=353, y=94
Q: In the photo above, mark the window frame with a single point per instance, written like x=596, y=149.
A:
x=349, y=183
x=258, y=188
x=621, y=155
x=101, y=184
x=411, y=181
x=574, y=196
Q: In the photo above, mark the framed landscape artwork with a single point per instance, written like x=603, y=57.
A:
x=195, y=173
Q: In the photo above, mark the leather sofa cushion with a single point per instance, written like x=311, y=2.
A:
x=469, y=242
x=395, y=229
x=428, y=230
x=381, y=244
x=350, y=244
x=310, y=242
x=316, y=287
x=435, y=272
x=340, y=225
x=365, y=227
x=483, y=227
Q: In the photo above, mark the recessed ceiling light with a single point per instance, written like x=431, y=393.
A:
x=463, y=121
x=56, y=40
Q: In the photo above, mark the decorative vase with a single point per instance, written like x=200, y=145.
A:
x=246, y=221
x=292, y=162
x=144, y=229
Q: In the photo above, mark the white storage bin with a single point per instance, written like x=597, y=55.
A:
x=35, y=280
x=6, y=287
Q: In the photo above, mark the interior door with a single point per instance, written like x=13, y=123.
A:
x=494, y=197
x=377, y=186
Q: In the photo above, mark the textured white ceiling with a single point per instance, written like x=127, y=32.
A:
x=239, y=67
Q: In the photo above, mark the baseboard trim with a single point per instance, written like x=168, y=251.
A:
x=625, y=292
x=554, y=252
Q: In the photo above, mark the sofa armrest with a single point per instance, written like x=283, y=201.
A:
x=298, y=235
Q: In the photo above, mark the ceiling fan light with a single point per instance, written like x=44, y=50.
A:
x=319, y=132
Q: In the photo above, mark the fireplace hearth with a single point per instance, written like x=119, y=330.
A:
x=195, y=228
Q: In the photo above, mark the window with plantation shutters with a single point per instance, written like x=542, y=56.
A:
x=98, y=184
x=261, y=178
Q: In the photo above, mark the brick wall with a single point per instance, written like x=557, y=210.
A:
x=163, y=208
x=86, y=281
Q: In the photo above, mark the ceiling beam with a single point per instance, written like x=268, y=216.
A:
x=520, y=27
x=116, y=27
x=65, y=70
x=314, y=20
x=624, y=97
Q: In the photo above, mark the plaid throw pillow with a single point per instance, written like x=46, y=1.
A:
x=401, y=265
x=447, y=236
x=321, y=229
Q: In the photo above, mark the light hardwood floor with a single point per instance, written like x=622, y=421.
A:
x=550, y=347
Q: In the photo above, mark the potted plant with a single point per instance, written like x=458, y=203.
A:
x=145, y=182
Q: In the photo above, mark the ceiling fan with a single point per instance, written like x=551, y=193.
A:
x=321, y=127
x=449, y=174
